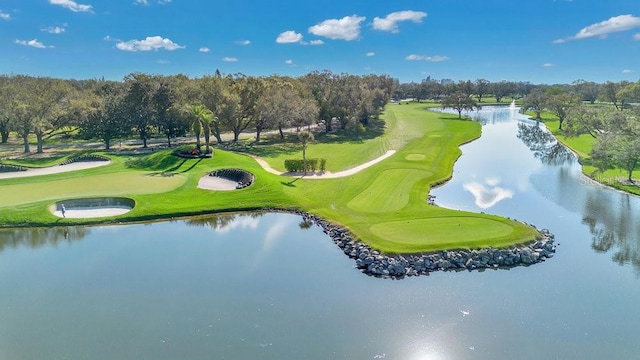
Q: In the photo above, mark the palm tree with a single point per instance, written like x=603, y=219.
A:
x=201, y=119
x=305, y=136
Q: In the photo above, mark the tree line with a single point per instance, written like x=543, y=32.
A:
x=149, y=106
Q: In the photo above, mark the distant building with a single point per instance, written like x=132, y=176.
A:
x=446, y=81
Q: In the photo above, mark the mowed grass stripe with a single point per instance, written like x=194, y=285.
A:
x=389, y=191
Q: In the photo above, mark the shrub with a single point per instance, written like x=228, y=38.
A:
x=297, y=165
x=85, y=157
x=11, y=168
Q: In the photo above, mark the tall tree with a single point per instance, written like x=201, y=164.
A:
x=139, y=104
x=535, y=101
x=243, y=100
x=559, y=103
x=482, y=88
x=619, y=143
x=107, y=118
x=460, y=102
x=609, y=92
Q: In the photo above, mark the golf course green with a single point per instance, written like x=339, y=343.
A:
x=384, y=205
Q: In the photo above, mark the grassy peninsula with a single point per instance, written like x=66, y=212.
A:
x=384, y=205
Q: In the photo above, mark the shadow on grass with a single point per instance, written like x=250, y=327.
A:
x=288, y=183
x=192, y=166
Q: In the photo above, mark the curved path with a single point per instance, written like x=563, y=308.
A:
x=325, y=174
x=82, y=165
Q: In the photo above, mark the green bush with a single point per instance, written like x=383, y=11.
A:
x=297, y=165
x=11, y=168
x=85, y=157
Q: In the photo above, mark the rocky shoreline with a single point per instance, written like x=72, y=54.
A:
x=374, y=263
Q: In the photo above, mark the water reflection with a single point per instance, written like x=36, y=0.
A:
x=542, y=172
x=487, y=197
x=39, y=237
x=224, y=223
x=612, y=217
x=544, y=145
x=613, y=223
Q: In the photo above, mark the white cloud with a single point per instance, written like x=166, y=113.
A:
x=371, y=53
x=347, y=28
x=636, y=37
x=627, y=71
x=163, y=62
x=390, y=22
x=4, y=16
x=146, y=2
x=316, y=42
x=243, y=42
x=33, y=43
x=54, y=29
x=435, y=58
x=548, y=65
x=289, y=37
x=72, y=5
x=204, y=49
x=604, y=28
x=148, y=44
x=229, y=59
x=289, y=62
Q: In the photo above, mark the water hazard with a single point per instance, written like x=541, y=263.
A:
x=271, y=287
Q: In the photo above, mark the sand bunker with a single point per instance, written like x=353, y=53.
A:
x=226, y=180
x=83, y=165
x=92, y=207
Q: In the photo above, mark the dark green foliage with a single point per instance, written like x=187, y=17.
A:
x=11, y=168
x=297, y=165
x=85, y=157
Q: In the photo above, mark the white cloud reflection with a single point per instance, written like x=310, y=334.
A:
x=488, y=196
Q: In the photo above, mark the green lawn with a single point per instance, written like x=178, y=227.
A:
x=384, y=205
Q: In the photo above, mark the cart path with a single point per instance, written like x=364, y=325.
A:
x=325, y=174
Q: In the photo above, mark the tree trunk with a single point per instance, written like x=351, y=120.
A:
x=304, y=156
x=206, y=143
x=169, y=140
x=459, y=114
x=258, y=131
x=107, y=144
x=5, y=136
x=40, y=142
x=25, y=139
x=144, y=142
x=236, y=135
x=281, y=132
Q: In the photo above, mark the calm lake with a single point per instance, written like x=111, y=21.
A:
x=261, y=287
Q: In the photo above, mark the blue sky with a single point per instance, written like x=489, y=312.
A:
x=542, y=41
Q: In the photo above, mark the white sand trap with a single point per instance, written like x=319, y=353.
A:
x=92, y=207
x=81, y=165
x=208, y=182
x=93, y=212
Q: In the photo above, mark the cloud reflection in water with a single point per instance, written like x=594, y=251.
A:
x=487, y=197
